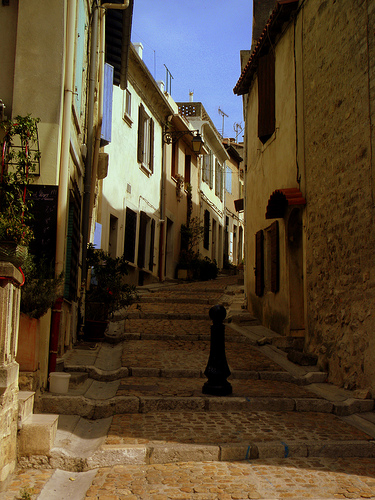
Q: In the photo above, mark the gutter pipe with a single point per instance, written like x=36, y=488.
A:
x=63, y=181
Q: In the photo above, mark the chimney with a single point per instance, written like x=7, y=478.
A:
x=191, y=96
x=262, y=9
x=139, y=49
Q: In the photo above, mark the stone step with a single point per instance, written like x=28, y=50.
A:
x=167, y=437
x=37, y=435
x=25, y=405
x=150, y=394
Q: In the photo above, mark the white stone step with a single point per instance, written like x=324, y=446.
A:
x=37, y=434
x=25, y=405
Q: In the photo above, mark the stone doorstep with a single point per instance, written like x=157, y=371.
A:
x=163, y=453
x=37, y=435
x=88, y=408
x=25, y=405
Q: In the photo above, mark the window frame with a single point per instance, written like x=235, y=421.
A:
x=145, y=151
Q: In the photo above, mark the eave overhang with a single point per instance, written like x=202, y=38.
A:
x=117, y=41
x=280, y=15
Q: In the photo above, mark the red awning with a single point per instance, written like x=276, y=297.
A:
x=281, y=199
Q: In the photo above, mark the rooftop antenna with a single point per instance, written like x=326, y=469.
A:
x=221, y=112
x=238, y=128
x=168, y=79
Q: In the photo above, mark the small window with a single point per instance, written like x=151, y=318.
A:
x=207, y=168
x=187, y=169
x=218, y=180
x=228, y=179
x=174, y=162
x=127, y=107
x=145, y=140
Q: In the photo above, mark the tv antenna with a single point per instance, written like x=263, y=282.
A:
x=221, y=112
x=238, y=128
x=169, y=78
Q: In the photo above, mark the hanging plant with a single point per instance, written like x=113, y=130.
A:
x=179, y=185
x=19, y=159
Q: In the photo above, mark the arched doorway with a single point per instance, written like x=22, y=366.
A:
x=296, y=288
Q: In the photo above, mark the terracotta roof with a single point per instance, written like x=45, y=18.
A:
x=279, y=16
x=280, y=199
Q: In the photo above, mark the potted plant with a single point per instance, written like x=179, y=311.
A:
x=107, y=292
x=38, y=295
x=19, y=157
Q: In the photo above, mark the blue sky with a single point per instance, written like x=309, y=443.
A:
x=199, y=41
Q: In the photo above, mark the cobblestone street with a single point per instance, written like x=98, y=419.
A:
x=135, y=424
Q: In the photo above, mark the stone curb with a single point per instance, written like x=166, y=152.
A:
x=84, y=407
x=124, y=372
x=168, y=316
x=162, y=453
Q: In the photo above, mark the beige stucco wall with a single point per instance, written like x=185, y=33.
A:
x=338, y=73
x=38, y=76
x=269, y=167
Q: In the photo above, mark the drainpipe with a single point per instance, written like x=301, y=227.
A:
x=90, y=138
x=63, y=182
x=162, y=215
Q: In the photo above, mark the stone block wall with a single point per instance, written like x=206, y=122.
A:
x=338, y=79
x=9, y=321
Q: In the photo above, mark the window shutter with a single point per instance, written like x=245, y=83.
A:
x=142, y=240
x=266, y=97
x=187, y=168
x=259, y=264
x=206, y=230
x=275, y=281
x=151, y=166
x=152, y=243
x=140, y=134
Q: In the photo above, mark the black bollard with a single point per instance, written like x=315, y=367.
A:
x=217, y=370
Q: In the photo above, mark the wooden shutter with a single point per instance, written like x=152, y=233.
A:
x=206, y=230
x=187, y=168
x=151, y=166
x=259, y=263
x=142, y=240
x=274, y=236
x=141, y=134
x=266, y=97
x=152, y=243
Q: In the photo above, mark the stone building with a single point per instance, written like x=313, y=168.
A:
x=308, y=90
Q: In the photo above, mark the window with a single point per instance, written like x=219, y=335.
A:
x=267, y=260
x=187, y=169
x=206, y=230
x=80, y=54
x=266, y=97
x=130, y=235
x=145, y=140
x=228, y=179
x=259, y=264
x=174, y=160
x=218, y=180
x=127, y=107
x=207, y=168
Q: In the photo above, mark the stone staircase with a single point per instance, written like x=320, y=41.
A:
x=36, y=432
x=138, y=396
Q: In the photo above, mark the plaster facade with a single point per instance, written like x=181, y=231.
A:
x=322, y=145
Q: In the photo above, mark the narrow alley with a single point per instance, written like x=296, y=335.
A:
x=135, y=424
